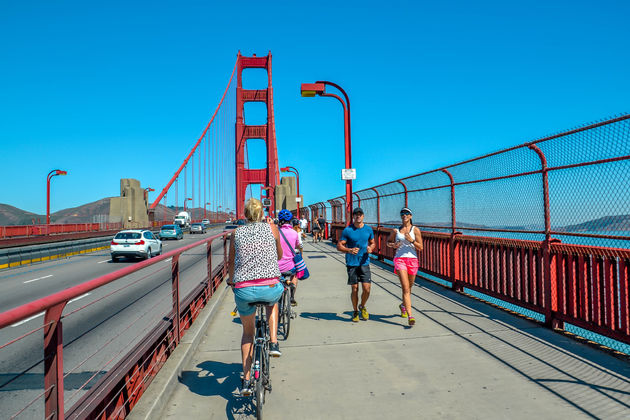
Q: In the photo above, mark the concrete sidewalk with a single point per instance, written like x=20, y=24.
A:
x=463, y=359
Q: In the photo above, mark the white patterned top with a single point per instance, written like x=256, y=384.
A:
x=256, y=256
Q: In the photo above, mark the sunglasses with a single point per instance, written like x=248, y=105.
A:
x=405, y=213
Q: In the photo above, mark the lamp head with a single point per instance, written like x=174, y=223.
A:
x=309, y=90
x=59, y=172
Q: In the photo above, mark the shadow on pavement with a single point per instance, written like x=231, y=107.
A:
x=331, y=316
x=222, y=380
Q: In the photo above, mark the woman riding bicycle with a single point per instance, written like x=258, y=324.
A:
x=289, y=240
x=253, y=268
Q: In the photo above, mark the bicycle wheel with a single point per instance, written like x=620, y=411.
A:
x=286, y=304
x=281, y=314
x=265, y=367
x=260, y=399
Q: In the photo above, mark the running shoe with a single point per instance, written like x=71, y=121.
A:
x=355, y=316
x=364, y=313
x=246, y=388
x=412, y=321
x=293, y=302
x=403, y=311
x=274, y=350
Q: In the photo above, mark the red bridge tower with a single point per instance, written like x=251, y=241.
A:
x=268, y=176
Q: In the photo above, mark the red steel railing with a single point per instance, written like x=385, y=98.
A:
x=582, y=285
x=115, y=394
x=54, y=229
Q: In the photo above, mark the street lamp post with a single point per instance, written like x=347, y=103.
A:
x=146, y=193
x=297, y=181
x=188, y=199
x=54, y=172
x=205, y=208
x=309, y=90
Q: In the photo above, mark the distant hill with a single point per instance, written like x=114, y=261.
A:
x=606, y=223
x=94, y=212
x=10, y=215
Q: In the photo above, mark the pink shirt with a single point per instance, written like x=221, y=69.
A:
x=286, y=262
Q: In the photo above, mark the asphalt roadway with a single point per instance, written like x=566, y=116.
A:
x=96, y=337
x=463, y=359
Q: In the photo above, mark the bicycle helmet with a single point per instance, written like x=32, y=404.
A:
x=295, y=222
x=285, y=216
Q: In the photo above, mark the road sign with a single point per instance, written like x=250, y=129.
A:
x=347, y=174
x=266, y=202
x=298, y=199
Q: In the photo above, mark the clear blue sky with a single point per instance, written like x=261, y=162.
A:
x=124, y=89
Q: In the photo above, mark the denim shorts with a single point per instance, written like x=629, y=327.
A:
x=245, y=295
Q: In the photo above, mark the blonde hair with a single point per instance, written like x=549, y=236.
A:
x=253, y=210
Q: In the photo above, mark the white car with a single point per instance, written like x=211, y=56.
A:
x=135, y=243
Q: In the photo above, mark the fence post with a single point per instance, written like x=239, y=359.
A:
x=209, y=289
x=225, y=255
x=405, y=187
x=175, y=294
x=550, y=286
x=453, y=258
x=378, y=225
x=53, y=362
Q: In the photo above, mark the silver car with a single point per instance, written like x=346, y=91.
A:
x=197, y=228
x=135, y=243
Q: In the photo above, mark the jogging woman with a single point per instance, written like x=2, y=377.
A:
x=407, y=241
x=253, y=268
x=289, y=240
x=315, y=229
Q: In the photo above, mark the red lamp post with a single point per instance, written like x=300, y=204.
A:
x=188, y=199
x=297, y=181
x=146, y=193
x=309, y=90
x=54, y=172
x=205, y=209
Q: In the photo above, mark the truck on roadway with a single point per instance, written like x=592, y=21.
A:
x=182, y=219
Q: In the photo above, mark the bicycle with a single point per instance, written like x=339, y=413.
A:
x=285, y=310
x=260, y=363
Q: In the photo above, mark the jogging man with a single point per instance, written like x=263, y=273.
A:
x=357, y=242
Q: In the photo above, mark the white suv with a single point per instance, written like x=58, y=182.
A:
x=135, y=243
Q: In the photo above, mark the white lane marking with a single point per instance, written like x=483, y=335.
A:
x=168, y=259
x=101, y=262
x=77, y=298
x=24, y=321
x=38, y=278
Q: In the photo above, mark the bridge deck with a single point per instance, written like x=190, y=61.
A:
x=463, y=359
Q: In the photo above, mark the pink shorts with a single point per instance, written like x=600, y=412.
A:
x=410, y=265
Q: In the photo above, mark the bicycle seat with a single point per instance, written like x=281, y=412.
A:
x=261, y=302
x=287, y=273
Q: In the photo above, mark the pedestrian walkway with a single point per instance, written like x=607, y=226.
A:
x=463, y=359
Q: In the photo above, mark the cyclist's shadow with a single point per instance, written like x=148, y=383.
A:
x=222, y=380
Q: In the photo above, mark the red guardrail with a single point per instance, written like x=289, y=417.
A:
x=54, y=229
x=586, y=286
x=115, y=394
